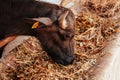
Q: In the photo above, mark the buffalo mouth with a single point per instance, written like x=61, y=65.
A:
x=66, y=60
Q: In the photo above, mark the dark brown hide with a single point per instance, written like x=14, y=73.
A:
x=57, y=42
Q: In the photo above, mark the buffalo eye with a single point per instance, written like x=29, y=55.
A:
x=68, y=36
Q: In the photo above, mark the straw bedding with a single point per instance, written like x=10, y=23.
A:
x=95, y=24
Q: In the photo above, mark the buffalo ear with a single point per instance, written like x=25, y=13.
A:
x=44, y=20
x=62, y=20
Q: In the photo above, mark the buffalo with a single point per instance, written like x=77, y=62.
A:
x=53, y=25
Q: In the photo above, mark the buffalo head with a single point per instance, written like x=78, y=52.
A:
x=56, y=36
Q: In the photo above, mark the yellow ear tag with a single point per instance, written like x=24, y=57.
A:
x=35, y=25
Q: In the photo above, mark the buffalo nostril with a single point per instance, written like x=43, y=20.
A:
x=69, y=60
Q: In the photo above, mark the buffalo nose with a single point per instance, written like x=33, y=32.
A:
x=69, y=60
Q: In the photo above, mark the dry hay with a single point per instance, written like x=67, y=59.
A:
x=30, y=62
x=104, y=8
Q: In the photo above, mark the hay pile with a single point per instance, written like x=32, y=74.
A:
x=29, y=62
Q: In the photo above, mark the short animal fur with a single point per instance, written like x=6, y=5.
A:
x=55, y=31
